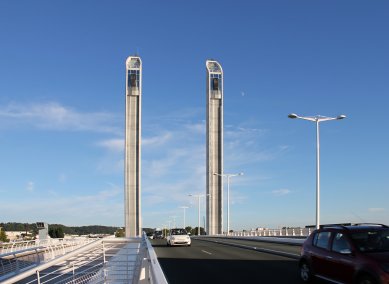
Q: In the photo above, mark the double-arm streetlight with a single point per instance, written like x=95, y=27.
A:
x=317, y=119
x=198, y=196
x=229, y=176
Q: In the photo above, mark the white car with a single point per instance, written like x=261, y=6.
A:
x=178, y=237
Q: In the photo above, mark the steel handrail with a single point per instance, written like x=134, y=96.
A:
x=144, y=264
x=50, y=263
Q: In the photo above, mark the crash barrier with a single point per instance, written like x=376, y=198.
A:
x=107, y=260
x=286, y=232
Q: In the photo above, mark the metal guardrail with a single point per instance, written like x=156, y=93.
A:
x=15, y=262
x=43, y=257
x=294, y=232
x=68, y=242
x=153, y=269
x=124, y=265
x=108, y=260
x=16, y=246
x=17, y=257
x=145, y=266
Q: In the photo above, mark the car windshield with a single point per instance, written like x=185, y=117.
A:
x=179, y=232
x=372, y=240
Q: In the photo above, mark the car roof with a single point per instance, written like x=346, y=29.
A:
x=355, y=227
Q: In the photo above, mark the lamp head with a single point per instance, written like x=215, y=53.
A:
x=292, y=115
x=342, y=116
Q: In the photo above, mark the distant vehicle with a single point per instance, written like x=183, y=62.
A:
x=178, y=237
x=347, y=254
x=158, y=234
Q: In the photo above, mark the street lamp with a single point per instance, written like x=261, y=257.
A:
x=198, y=196
x=184, y=207
x=317, y=119
x=228, y=195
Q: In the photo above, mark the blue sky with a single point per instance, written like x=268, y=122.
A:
x=62, y=79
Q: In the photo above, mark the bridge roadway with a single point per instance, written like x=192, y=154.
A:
x=211, y=262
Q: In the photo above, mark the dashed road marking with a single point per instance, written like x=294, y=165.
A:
x=206, y=252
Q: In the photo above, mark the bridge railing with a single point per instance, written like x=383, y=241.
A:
x=286, y=232
x=17, y=257
x=153, y=270
x=16, y=246
x=134, y=263
x=108, y=260
x=22, y=245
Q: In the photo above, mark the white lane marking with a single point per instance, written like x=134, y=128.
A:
x=206, y=252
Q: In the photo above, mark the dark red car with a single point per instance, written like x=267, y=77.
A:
x=347, y=254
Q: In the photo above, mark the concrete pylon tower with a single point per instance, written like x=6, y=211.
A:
x=132, y=168
x=214, y=148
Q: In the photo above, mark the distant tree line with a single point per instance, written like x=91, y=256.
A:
x=195, y=230
x=57, y=228
x=19, y=227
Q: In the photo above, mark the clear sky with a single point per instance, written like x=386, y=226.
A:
x=62, y=82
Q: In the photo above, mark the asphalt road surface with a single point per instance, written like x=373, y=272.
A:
x=209, y=262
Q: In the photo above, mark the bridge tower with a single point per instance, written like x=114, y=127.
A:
x=132, y=167
x=214, y=158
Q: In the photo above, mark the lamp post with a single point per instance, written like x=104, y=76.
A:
x=317, y=119
x=229, y=176
x=164, y=230
x=198, y=196
x=184, y=207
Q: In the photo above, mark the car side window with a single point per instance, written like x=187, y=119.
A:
x=321, y=239
x=340, y=244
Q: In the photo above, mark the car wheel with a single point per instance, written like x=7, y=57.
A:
x=366, y=279
x=167, y=244
x=305, y=272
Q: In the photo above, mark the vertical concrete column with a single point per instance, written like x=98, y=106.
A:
x=214, y=158
x=132, y=167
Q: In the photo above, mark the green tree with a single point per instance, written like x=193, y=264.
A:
x=60, y=233
x=56, y=232
x=188, y=229
x=195, y=231
x=3, y=236
x=119, y=233
x=52, y=233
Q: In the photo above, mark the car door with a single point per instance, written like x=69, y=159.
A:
x=319, y=253
x=340, y=259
